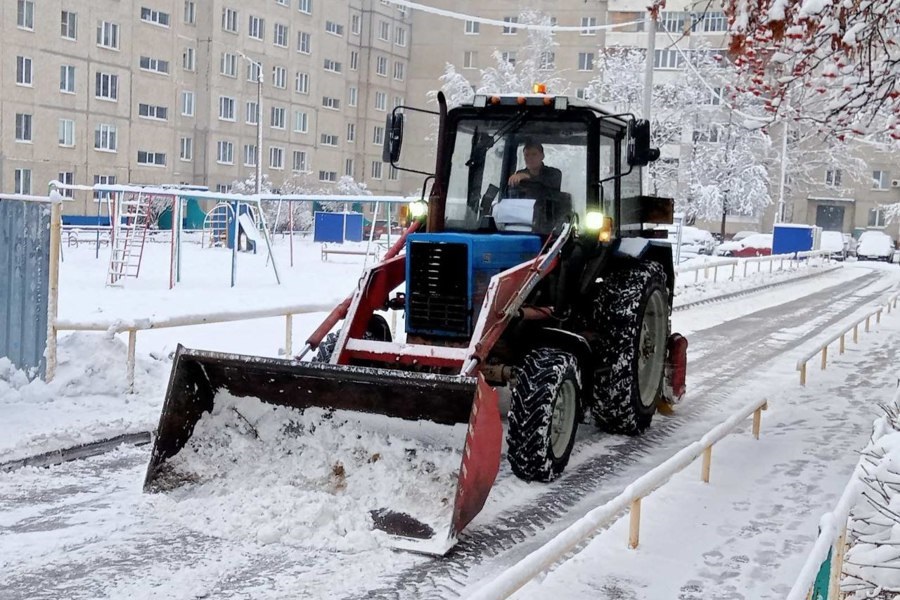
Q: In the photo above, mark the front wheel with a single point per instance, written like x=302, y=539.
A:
x=544, y=408
x=377, y=329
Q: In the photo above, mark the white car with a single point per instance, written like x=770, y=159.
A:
x=875, y=245
x=833, y=242
x=693, y=239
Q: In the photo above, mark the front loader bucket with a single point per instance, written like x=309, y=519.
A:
x=206, y=389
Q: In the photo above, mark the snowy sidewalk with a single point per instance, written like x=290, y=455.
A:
x=747, y=532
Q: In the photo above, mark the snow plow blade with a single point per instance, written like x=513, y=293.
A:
x=199, y=378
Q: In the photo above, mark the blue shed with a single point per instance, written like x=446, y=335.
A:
x=789, y=238
x=338, y=227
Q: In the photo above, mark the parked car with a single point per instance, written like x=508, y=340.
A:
x=742, y=234
x=693, y=239
x=834, y=243
x=758, y=244
x=875, y=245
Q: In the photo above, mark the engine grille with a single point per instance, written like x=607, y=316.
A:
x=438, y=288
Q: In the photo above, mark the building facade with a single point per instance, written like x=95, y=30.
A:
x=165, y=91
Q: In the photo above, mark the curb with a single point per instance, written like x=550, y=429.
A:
x=56, y=457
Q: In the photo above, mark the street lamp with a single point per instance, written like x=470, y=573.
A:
x=259, y=116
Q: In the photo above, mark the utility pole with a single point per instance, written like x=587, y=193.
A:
x=259, y=116
x=779, y=214
x=648, y=81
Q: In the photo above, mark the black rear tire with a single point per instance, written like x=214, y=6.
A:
x=545, y=407
x=632, y=317
x=378, y=329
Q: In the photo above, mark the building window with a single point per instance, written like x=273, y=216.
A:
x=25, y=15
x=400, y=36
x=398, y=101
x=328, y=176
x=712, y=98
x=304, y=42
x=23, y=127
x=332, y=103
x=334, y=28
x=707, y=133
x=107, y=86
x=189, y=59
x=251, y=114
x=399, y=71
x=376, y=169
x=23, y=181
x=24, y=71
x=384, y=31
x=67, y=79
x=585, y=61
x=68, y=28
x=393, y=173
x=351, y=133
x=327, y=139
x=226, y=108
x=66, y=178
x=280, y=35
x=587, y=22
x=300, y=163
x=279, y=77
x=348, y=167
x=253, y=71
x=228, y=66
x=877, y=218
x=352, y=96
x=229, y=20
x=381, y=66
x=715, y=21
x=156, y=65
x=833, y=178
x=103, y=180
x=380, y=101
x=190, y=12
x=67, y=133
x=276, y=157
x=301, y=83
x=305, y=6
x=472, y=27
x=355, y=24
x=277, y=117
x=470, y=60
x=151, y=111
x=510, y=29
x=301, y=121
x=105, y=138
x=187, y=103
x=548, y=61
x=332, y=66
x=249, y=155
x=880, y=180
x=108, y=35
x=672, y=21
x=154, y=159
x=667, y=59
x=148, y=15
x=354, y=60
x=256, y=28
x=225, y=153
x=186, y=152
x=378, y=135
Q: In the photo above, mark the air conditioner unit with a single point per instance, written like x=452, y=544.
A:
x=895, y=183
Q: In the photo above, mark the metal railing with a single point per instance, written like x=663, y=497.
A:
x=841, y=337
x=795, y=259
x=513, y=579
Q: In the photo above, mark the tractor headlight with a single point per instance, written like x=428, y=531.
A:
x=418, y=209
x=593, y=221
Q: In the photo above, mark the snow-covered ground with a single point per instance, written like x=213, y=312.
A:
x=689, y=529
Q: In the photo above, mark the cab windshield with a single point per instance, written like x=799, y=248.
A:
x=543, y=192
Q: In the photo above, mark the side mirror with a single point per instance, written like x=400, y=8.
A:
x=393, y=137
x=639, y=151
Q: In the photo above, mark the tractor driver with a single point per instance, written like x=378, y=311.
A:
x=535, y=171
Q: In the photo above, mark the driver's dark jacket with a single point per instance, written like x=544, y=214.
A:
x=549, y=177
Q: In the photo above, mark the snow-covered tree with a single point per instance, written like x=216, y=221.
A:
x=728, y=176
x=455, y=86
x=846, y=52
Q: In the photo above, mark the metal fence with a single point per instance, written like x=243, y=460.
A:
x=24, y=280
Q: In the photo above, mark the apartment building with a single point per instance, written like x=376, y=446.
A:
x=165, y=91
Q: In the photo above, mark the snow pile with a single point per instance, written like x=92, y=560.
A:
x=872, y=564
x=256, y=472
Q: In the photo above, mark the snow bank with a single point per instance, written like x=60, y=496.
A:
x=257, y=472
